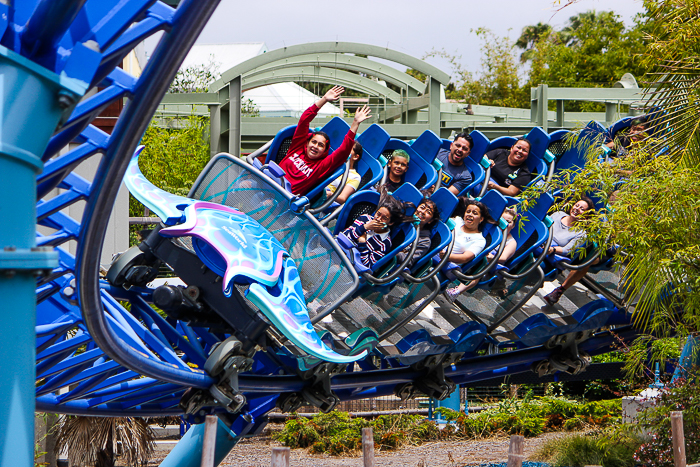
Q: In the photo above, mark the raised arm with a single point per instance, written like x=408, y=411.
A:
x=330, y=96
x=362, y=114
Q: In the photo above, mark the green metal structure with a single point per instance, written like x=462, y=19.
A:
x=399, y=100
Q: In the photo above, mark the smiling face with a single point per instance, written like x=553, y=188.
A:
x=459, y=149
x=579, y=208
x=317, y=146
x=425, y=214
x=472, y=217
x=518, y=153
x=397, y=167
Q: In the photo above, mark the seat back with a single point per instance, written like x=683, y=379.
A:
x=336, y=129
x=495, y=202
x=420, y=173
x=530, y=231
x=446, y=202
x=557, y=143
x=539, y=140
x=370, y=170
x=280, y=144
x=427, y=146
x=574, y=158
x=373, y=140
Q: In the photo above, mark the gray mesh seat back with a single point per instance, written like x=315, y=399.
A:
x=326, y=274
x=380, y=310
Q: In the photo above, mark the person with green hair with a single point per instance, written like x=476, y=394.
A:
x=396, y=169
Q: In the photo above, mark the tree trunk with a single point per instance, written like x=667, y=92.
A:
x=106, y=458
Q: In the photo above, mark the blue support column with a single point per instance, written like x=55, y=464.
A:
x=31, y=100
x=689, y=356
x=188, y=451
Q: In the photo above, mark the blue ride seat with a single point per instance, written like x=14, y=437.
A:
x=534, y=330
x=493, y=233
x=539, y=162
x=441, y=235
x=427, y=146
x=531, y=232
x=476, y=162
x=558, y=144
x=420, y=173
x=365, y=202
x=574, y=158
x=416, y=337
x=336, y=129
x=468, y=337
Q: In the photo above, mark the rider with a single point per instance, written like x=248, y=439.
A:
x=354, y=178
x=455, y=173
x=371, y=233
x=307, y=161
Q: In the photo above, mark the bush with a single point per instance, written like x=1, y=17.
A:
x=683, y=395
x=609, y=449
x=337, y=433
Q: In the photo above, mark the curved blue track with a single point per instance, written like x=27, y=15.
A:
x=105, y=350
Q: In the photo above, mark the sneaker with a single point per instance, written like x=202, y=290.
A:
x=451, y=294
x=554, y=296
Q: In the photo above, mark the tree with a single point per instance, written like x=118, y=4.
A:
x=497, y=82
x=195, y=78
x=529, y=36
x=655, y=210
x=594, y=49
x=98, y=441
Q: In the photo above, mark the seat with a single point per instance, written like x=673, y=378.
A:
x=493, y=233
x=420, y=173
x=574, y=158
x=539, y=162
x=336, y=129
x=365, y=202
x=476, y=162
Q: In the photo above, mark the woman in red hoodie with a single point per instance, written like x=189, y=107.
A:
x=307, y=161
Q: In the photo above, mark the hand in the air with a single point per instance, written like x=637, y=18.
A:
x=363, y=113
x=334, y=93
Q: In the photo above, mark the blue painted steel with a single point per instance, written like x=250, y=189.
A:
x=29, y=93
x=452, y=401
x=188, y=451
x=689, y=356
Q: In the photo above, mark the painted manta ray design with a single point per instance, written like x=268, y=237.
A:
x=241, y=251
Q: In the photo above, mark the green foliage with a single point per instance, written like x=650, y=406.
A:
x=650, y=225
x=610, y=449
x=336, y=433
x=195, y=78
x=497, y=82
x=173, y=158
x=593, y=49
x=656, y=419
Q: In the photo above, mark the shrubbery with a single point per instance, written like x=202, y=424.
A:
x=337, y=433
x=683, y=396
x=610, y=448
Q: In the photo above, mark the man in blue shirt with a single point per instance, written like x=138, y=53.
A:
x=455, y=173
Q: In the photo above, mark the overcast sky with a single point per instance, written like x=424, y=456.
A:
x=409, y=26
